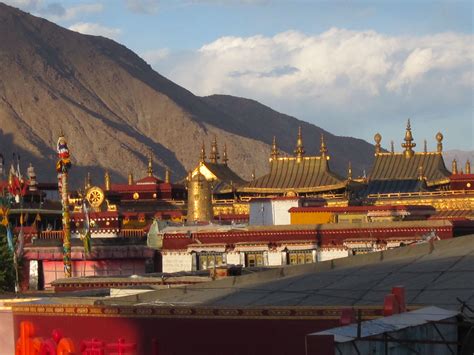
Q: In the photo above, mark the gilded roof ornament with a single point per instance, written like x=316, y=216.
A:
x=439, y=138
x=214, y=156
x=107, y=180
x=150, y=164
x=349, y=171
x=392, y=147
x=88, y=181
x=467, y=168
x=377, y=139
x=421, y=174
x=425, y=146
x=202, y=157
x=167, y=175
x=274, y=153
x=454, y=167
x=323, y=148
x=130, y=178
x=408, y=145
x=299, y=151
x=253, y=174
x=225, y=159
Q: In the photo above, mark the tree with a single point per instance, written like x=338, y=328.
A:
x=7, y=269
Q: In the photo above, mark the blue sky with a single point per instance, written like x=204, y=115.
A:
x=351, y=67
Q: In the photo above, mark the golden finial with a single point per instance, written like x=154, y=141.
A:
x=299, y=151
x=10, y=178
x=202, y=157
x=167, y=175
x=323, y=149
x=377, y=139
x=225, y=159
x=214, y=157
x=421, y=174
x=150, y=164
x=439, y=138
x=107, y=180
x=274, y=153
x=130, y=178
x=392, y=147
x=88, y=182
x=454, y=168
x=253, y=174
x=425, y=146
x=349, y=171
x=467, y=168
x=408, y=145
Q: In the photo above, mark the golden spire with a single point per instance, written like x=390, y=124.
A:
x=323, y=149
x=107, y=180
x=167, y=176
x=421, y=174
x=377, y=139
x=130, y=178
x=408, y=145
x=88, y=182
x=439, y=138
x=425, y=146
x=253, y=174
x=150, y=164
x=202, y=157
x=299, y=151
x=349, y=171
x=467, y=168
x=274, y=153
x=214, y=157
x=454, y=168
x=225, y=159
x=392, y=147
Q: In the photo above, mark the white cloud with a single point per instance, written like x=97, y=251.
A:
x=342, y=80
x=155, y=56
x=142, y=6
x=96, y=29
x=27, y=5
x=56, y=12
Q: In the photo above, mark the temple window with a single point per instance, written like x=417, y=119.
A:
x=208, y=260
x=296, y=257
x=253, y=259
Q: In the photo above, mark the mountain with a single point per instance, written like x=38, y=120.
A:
x=114, y=108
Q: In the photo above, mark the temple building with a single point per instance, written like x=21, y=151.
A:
x=299, y=175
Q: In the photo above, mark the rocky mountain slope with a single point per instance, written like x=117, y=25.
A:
x=114, y=108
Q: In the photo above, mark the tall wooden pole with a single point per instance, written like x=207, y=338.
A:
x=66, y=227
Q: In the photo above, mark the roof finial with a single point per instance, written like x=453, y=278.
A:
x=214, y=156
x=150, y=164
x=253, y=174
x=377, y=139
x=425, y=146
x=225, y=159
x=274, y=153
x=392, y=147
x=167, y=175
x=88, y=182
x=439, y=138
x=299, y=151
x=408, y=145
x=130, y=178
x=421, y=174
x=323, y=149
x=454, y=167
x=349, y=171
x=467, y=168
x=107, y=180
x=202, y=157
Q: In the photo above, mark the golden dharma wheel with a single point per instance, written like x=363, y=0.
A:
x=95, y=196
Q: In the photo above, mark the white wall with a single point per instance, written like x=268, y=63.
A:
x=274, y=258
x=281, y=216
x=174, y=262
x=325, y=254
x=233, y=258
x=271, y=212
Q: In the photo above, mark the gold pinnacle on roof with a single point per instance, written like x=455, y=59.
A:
x=150, y=164
x=253, y=174
x=425, y=146
x=377, y=139
x=214, y=157
x=202, y=157
x=130, y=178
x=408, y=145
x=299, y=151
x=467, y=168
x=392, y=147
x=323, y=149
x=421, y=174
x=274, y=153
x=167, y=175
x=349, y=171
x=107, y=180
x=88, y=182
x=454, y=167
x=225, y=159
x=439, y=138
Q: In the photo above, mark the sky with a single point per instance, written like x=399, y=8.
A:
x=353, y=68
